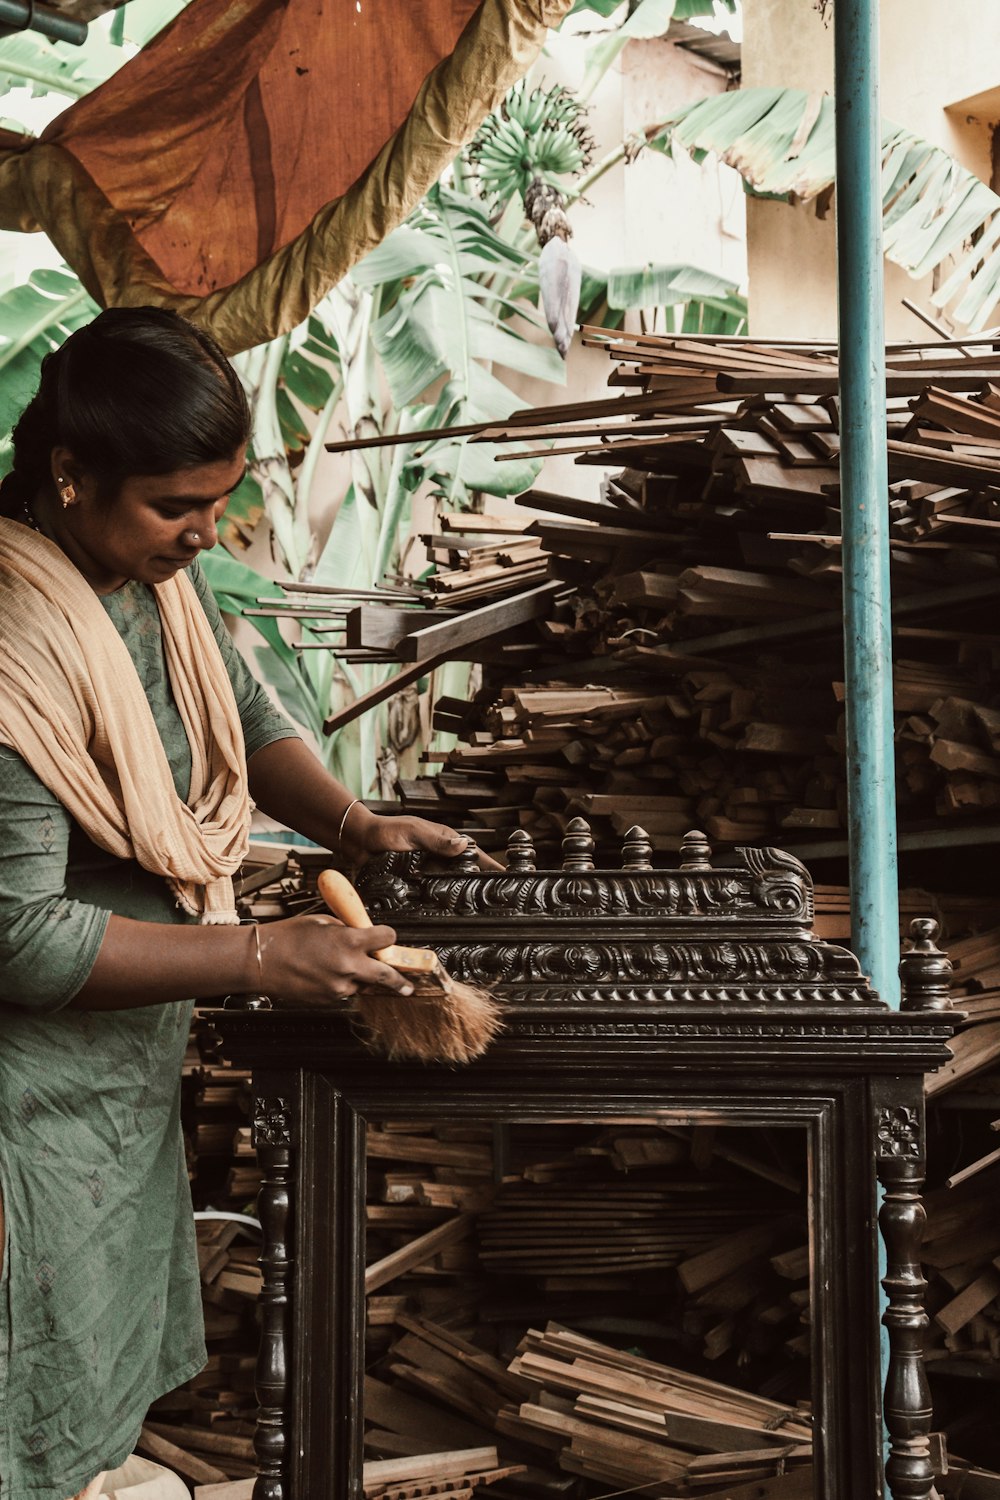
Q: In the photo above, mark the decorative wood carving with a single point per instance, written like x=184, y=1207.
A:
x=699, y=990
x=924, y=970
x=739, y=934
x=763, y=885
x=272, y=1127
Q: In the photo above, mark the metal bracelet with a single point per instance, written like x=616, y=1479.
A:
x=340, y=831
x=260, y=957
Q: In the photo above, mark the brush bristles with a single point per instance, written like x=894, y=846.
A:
x=432, y=1025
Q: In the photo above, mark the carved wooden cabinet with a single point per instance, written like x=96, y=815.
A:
x=699, y=993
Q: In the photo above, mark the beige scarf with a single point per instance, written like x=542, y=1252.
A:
x=72, y=705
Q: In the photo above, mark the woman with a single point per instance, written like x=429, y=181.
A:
x=132, y=740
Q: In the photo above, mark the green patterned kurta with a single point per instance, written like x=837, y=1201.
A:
x=100, y=1307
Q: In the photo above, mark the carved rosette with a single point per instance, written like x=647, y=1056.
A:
x=897, y=1132
x=271, y=1122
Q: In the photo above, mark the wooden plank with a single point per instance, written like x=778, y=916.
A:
x=454, y=1464
x=970, y=1301
x=735, y=1250
x=991, y=1159
x=381, y=626
x=162, y=1451
x=204, y=1440
x=379, y=694
x=448, y=637
x=417, y=1251
x=896, y=384
x=431, y=1427
x=230, y=1489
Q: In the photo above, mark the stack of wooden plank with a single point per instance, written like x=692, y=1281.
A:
x=219, y=1102
x=704, y=590
x=613, y=1416
x=726, y=1222
x=459, y=1474
x=962, y=1258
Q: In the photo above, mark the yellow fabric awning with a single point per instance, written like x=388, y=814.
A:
x=255, y=150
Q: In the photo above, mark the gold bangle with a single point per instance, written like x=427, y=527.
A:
x=260, y=958
x=340, y=831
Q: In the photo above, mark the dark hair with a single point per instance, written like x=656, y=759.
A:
x=137, y=391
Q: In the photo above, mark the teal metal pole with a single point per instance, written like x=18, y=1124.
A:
x=864, y=479
x=871, y=785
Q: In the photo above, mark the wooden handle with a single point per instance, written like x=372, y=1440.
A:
x=345, y=903
x=342, y=899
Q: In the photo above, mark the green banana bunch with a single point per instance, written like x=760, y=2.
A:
x=536, y=134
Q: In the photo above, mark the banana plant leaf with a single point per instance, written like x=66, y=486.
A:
x=35, y=318
x=449, y=225
x=710, y=315
x=649, y=18
x=781, y=141
x=703, y=302
x=308, y=381
x=244, y=513
x=456, y=467
x=485, y=467
x=444, y=320
x=29, y=60
x=236, y=587
x=655, y=285
x=683, y=9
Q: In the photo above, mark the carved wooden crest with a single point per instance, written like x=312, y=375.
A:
x=732, y=936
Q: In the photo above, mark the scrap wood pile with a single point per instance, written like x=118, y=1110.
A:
x=679, y=1239
x=961, y=1242
x=712, y=1401
x=676, y=647
x=649, y=1198
x=612, y=1415
x=961, y=1255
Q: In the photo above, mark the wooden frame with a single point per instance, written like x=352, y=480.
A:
x=746, y=1020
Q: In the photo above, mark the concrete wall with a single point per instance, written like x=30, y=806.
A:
x=940, y=77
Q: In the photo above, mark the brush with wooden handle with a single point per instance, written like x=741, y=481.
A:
x=443, y=1020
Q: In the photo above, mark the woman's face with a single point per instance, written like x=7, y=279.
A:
x=154, y=526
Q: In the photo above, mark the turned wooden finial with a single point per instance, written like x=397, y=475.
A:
x=925, y=971
x=470, y=859
x=637, y=850
x=520, y=851
x=578, y=846
x=696, y=852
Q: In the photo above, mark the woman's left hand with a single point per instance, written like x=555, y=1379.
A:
x=373, y=835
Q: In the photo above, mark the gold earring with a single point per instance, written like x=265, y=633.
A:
x=67, y=492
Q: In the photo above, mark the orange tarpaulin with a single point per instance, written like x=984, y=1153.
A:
x=240, y=164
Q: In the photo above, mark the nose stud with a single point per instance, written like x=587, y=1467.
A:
x=193, y=538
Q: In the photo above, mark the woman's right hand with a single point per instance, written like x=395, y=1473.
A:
x=314, y=961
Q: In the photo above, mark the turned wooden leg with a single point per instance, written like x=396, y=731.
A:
x=907, y=1409
x=273, y=1136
